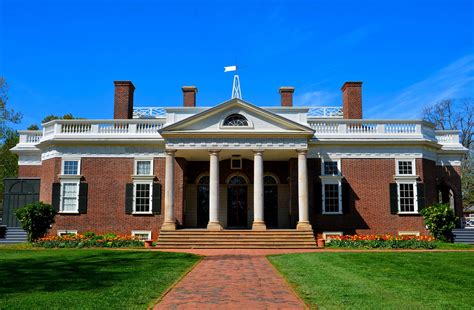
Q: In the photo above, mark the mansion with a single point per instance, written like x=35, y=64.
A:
x=239, y=165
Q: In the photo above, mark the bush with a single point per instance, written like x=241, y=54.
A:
x=36, y=218
x=88, y=240
x=440, y=220
x=383, y=242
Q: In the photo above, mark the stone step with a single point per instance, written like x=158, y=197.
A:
x=216, y=246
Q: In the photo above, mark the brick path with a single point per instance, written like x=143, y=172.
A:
x=232, y=279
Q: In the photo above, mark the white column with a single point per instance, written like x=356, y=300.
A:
x=258, y=212
x=303, y=222
x=214, y=191
x=169, y=223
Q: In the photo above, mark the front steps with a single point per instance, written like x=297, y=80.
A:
x=14, y=235
x=465, y=235
x=236, y=239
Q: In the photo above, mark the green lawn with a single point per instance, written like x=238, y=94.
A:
x=381, y=280
x=87, y=279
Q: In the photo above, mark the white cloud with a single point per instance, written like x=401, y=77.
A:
x=317, y=98
x=452, y=82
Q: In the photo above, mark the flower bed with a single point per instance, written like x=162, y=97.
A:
x=88, y=240
x=383, y=242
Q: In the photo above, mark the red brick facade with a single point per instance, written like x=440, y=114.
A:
x=29, y=171
x=369, y=180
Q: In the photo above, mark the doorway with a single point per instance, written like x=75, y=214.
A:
x=237, y=202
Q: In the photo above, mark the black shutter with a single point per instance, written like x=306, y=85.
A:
x=393, y=198
x=129, y=198
x=318, y=203
x=156, y=201
x=346, y=198
x=420, y=187
x=56, y=196
x=83, y=187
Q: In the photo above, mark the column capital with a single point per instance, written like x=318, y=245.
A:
x=214, y=152
x=302, y=151
x=258, y=152
x=170, y=151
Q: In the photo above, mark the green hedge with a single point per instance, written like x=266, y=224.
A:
x=89, y=240
x=383, y=242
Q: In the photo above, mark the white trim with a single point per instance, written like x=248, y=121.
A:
x=135, y=182
x=65, y=159
x=240, y=174
x=134, y=232
x=327, y=181
x=201, y=175
x=271, y=174
x=413, y=166
x=332, y=233
x=135, y=163
x=409, y=233
x=338, y=161
x=236, y=112
x=415, y=197
x=66, y=231
x=62, y=182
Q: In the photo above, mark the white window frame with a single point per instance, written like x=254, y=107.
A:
x=66, y=232
x=338, y=161
x=140, y=232
x=409, y=233
x=135, y=167
x=331, y=233
x=64, y=160
x=61, y=207
x=413, y=166
x=415, y=197
x=135, y=183
x=325, y=182
x=239, y=159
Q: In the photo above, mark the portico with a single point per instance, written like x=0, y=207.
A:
x=235, y=131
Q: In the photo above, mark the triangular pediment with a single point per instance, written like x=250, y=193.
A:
x=260, y=121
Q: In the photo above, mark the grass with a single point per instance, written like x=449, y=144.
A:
x=86, y=278
x=381, y=280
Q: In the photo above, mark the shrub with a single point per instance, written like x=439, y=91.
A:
x=440, y=220
x=88, y=240
x=383, y=242
x=36, y=218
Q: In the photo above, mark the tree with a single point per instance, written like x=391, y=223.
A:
x=6, y=115
x=53, y=117
x=440, y=220
x=33, y=127
x=449, y=115
x=8, y=161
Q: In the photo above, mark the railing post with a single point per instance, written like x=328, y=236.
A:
x=342, y=128
x=95, y=128
x=380, y=128
x=132, y=128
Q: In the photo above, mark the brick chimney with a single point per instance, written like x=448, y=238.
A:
x=352, y=100
x=123, y=99
x=189, y=96
x=286, y=93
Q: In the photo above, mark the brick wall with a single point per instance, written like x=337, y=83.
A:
x=29, y=171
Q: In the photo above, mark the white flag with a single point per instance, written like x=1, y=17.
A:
x=230, y=68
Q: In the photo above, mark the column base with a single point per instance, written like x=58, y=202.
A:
x=214, y=226
x=259, y=225
x=168, y=226
x=304, y=226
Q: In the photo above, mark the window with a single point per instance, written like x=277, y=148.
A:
x=70, y=167
x=236, y=120
x=143, y=167
x=142, y=234
x=236, y=162
x=269, y=180
x=142, y=198
x=237, y=180
x=332, y=202
x=69, y=196
x=62, y=233
x=331, y=167
x=406, y=198
x=406, y=167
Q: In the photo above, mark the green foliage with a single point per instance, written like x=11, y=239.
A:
x=383, y=242
x=440, y=220
x=89, y=240
x=6, y=115
x=8, y=160
x=33, y=127
x=52, y=117
x=36, y=218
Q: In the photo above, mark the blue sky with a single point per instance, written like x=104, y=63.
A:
x=62, y=56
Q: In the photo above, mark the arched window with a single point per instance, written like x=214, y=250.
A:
x=204, y=180
x=237, y=180
x=269, y=180
x=236, y=120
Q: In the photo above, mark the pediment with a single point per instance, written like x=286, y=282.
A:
x=260, y=121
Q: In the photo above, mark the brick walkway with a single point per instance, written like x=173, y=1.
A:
x=232, y=279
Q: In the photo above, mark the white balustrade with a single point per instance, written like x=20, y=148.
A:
x=447, y=136
x=325, y=112
x=30, y=136
x=149, y=112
